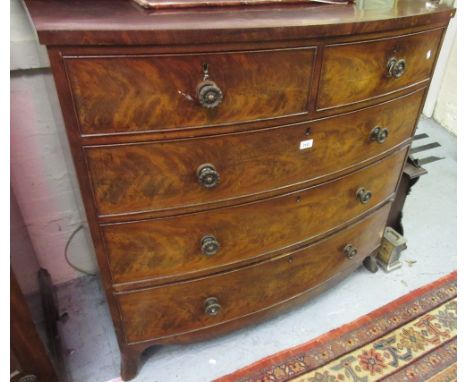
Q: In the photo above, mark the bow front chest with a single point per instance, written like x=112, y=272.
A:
x=234, y=161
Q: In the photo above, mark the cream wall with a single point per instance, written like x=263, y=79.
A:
x=442, y=92
x=41, y=174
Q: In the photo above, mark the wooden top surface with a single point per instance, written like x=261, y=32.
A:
x=122, y=22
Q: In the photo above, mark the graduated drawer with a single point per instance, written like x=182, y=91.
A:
x=161, y=92
x=156, y=176
x=209, y=241
x=184, y=307
x=358, y=71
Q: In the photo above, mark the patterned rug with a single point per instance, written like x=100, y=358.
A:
x=411, y=339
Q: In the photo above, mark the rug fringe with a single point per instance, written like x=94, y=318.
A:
x=334, y=333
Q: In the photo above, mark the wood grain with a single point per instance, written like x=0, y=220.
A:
x=169, y=248
x=358, y=71
x=157, y=176
x=178, y=308
x=121, y=94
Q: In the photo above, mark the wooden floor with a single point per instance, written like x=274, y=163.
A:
x=430, y=227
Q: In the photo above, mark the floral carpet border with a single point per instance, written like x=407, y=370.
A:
x=293, y=363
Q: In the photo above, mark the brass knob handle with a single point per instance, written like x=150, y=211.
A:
x=379, y=134
x=209, y=94
x=350, y=251
x=396, y=67
x=363, y=195
x=209, y=245
x=208, y=177
x=212, y=306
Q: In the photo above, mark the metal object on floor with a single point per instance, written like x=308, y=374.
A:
x=389, y=253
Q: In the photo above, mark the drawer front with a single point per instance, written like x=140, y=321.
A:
x=163, y=175
x=161, y=92
x=354, y=72
x=182, y=245
x=179, y=308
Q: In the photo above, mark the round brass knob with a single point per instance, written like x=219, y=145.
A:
x=350, y=251
x=209, y=94
x=209, y=245
x=363, y=195
x=396, y=67
x=208, y=177
x=212, y=306
x=379, y=134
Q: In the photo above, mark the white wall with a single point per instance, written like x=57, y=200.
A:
x=41, y=175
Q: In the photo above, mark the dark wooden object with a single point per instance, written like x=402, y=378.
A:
x=168, y=4
x=235, y=161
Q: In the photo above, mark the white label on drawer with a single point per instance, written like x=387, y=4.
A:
x=306, y=144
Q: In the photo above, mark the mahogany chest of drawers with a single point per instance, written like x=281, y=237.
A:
x=234, y=162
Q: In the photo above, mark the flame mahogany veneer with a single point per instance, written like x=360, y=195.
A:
x=234, y=162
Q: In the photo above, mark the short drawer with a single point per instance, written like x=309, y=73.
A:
x=184, y=307
x=116, y=94
x=358, y=71
x=156, y=176
x=180, y=246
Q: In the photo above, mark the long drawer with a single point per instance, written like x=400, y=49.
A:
x=115, y=94
x=172, y=247
x=156, y=176
x=358, y=71
x=183, y=307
